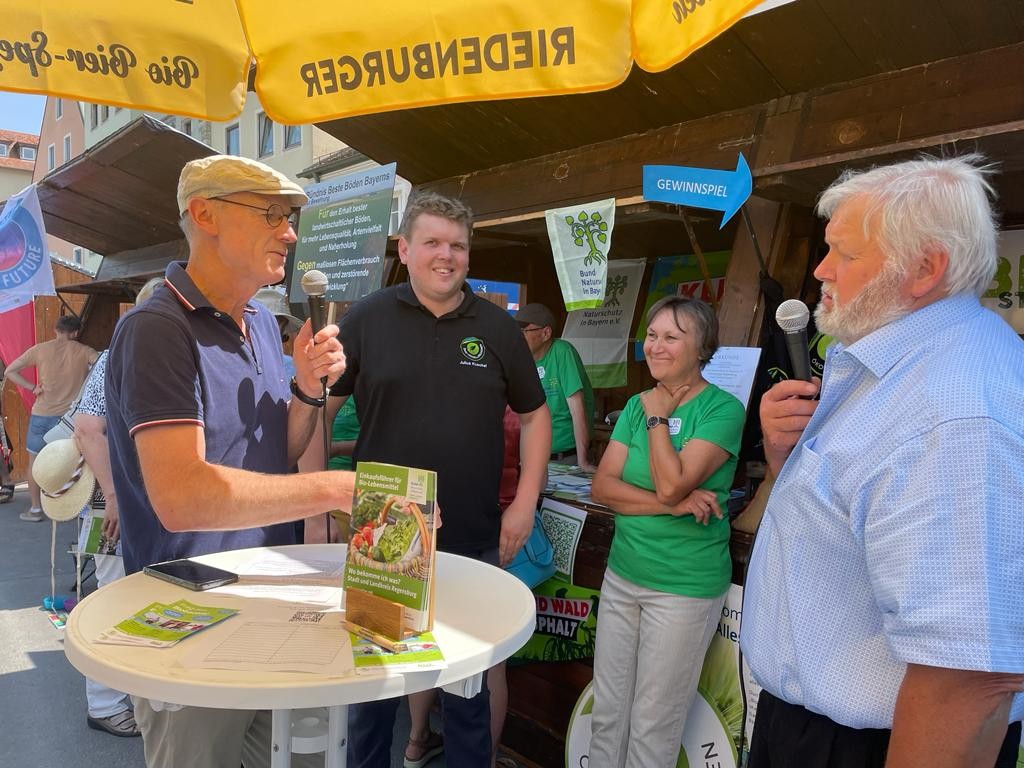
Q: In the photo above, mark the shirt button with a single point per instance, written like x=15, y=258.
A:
x=216, y=314
x=241, y=338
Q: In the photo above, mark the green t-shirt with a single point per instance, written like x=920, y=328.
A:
x=678, y=554
x=346, y=427
x=562, y=374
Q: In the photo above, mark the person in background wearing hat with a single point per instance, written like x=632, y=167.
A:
x=61, y=366
x=108, y=710
x=289, y=325
x=566, y=385
x=204, y=425
x=433, y=367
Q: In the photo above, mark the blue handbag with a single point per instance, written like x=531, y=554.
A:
x=536, y=560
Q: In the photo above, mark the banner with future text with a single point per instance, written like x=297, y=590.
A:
x=601, y=335
x=407, y=54
x=24, y=259
x=581, y=237
x=343, y=232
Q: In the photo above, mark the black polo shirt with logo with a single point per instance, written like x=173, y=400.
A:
x=431, y=393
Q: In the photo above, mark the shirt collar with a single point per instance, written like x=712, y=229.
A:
x=185, y=289
x=880, y=350
x=466, y=309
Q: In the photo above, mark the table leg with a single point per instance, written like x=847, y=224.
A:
x=281, y=739
x=337, y=736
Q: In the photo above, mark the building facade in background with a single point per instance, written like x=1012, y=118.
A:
x=18, y=153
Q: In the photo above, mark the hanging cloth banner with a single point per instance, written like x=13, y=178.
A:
x=601, y=336
x=25, y=269
x=581, y=237
x=326, y=63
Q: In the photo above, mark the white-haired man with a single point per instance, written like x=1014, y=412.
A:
x=203, y=425
x=883, y=614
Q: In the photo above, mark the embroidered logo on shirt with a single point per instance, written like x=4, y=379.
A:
x=473, y=349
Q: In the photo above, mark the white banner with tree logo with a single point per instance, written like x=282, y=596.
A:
x=602, y=335
x=581, y=236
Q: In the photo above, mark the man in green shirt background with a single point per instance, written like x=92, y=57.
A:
x=566, y=385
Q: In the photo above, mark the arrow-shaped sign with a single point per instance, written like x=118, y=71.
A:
x=700, y=187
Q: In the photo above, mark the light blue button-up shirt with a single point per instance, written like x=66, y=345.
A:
x=895, y=531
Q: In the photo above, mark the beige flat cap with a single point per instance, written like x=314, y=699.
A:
x=220, y=175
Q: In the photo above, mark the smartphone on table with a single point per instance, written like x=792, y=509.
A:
x=191, y=574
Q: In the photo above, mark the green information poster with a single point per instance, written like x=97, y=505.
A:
x=343, y=232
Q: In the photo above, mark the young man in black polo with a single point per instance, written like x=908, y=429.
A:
x=432, y=368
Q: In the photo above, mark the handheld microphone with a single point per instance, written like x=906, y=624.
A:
x=314, y=285
x=792, y=316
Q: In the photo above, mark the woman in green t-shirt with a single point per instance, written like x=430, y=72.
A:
x=666, y=473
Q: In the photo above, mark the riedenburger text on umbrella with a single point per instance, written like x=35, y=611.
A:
x=426, y=61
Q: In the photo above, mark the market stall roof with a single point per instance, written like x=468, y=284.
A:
x=793, y=49
x=120, y=194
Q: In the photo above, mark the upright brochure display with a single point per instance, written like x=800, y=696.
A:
x=389, y=573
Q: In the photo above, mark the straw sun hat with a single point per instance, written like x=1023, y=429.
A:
x=64, y=479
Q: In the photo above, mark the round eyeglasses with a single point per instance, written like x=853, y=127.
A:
x=274, y=214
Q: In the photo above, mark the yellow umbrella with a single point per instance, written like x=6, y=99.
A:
x=323, y=59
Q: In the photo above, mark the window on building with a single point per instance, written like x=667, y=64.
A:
x=104, y=113
x=3, y=150
x=186, y=126
x=231, y=145
x=292, y=136
x=27, y=153
x=51, y=157
x=58, y=108
x=94, y=115
x=265, y=132
x=78, y=255
x=67, y=148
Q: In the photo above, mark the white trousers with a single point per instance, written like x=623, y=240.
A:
x=102, y=700
x=650, y=649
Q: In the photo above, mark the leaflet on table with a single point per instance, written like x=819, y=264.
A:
x=391, y=552
x=422, y=654
x=292, y=566
x=160, y=625
x=568, y=483
x=277, y=638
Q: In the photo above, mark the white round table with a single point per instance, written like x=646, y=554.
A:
x=482, y=616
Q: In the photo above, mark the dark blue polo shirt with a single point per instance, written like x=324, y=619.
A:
x=177, y=359
x=431, y=393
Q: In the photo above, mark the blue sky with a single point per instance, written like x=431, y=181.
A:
x=21, y=112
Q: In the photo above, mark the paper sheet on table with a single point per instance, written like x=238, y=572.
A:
x=307, y=594
x=279, y=639
x=293, y=567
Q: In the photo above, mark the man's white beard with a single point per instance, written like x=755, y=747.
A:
x=878, y=303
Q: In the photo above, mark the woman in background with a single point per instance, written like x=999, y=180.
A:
x=666, y=473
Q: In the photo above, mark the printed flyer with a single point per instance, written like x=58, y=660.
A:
x=160, y=625
x=421, y=653
x=392, y=547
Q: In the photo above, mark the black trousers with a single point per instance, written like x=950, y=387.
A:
x=789, y=736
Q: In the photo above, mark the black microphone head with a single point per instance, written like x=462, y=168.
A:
x=792, y=315
x=314, y=283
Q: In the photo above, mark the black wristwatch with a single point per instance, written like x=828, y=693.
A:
x=316, y=402
x=653, y=421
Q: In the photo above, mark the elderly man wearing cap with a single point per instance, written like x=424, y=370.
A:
x=203, y=422
x=566, y=385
